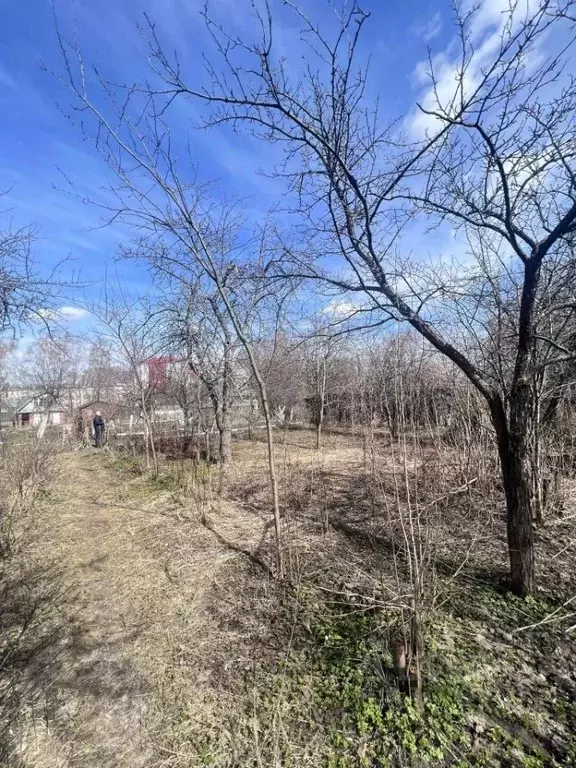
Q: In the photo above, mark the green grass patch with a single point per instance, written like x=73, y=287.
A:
x=339, y=680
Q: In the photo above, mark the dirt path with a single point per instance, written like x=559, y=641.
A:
x=144, y=647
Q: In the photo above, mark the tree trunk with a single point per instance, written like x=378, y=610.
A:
x=518, y=482
x=224, y=427
x=225, y=437
x=538, y=495
x=518, y=485
x=226, y=431
x=392, y=419
x=321, y=379
x=43, y=425
x=269, y=428
x=149, y=438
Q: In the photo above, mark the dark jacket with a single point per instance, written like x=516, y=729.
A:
x=98, y=423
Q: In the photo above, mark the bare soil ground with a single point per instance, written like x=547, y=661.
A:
x=171, y=645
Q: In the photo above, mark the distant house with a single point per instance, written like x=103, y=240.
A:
x=12, y=399
x=156, y=372
x=38, y=410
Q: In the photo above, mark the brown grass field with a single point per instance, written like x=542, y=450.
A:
x=169, y=643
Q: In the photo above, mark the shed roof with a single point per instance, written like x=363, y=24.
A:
x=33, y=406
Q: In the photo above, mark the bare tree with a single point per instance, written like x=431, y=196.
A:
x=200, y=329
x=281, y=361
x=7, y=348
x=131, y=327
x=26, y=295
x=497, y=160
x=182, y=228
x=186, y=389
x=52, y=369
x=321, y=352
x=101, y=375
x=227, y=301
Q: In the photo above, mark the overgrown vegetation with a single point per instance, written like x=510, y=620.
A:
x=479, y=708
x=31, y=592
x=497, y=670
x=332, y=520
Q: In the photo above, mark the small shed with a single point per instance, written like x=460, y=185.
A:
x=88, y=410
x=37, y=411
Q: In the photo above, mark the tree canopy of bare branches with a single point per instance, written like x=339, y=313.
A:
x=496, y=161
x=492, y=158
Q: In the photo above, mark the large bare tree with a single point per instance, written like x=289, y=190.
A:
x=495, y=158
x=183, y=229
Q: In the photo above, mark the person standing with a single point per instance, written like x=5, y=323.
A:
x=99, y=426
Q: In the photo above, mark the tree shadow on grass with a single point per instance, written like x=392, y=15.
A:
x=33, y=633
x=257, y=556
x=47, y=655
x=372, y=526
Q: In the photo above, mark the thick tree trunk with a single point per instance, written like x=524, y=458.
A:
x=518, y=482
x=518, y=486
x=515, y=443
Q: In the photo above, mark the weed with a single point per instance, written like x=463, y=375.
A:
x=125, y=463
x=340, y=677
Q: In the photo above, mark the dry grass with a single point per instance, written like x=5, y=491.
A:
x=168, y=632
x=341, y=504
x=153, y=637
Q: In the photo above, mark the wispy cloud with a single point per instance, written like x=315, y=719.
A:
x=431, y=28
x=36, y=140
x=339, y=308
x=72, y=313
x=6, y=79
x=486, y=25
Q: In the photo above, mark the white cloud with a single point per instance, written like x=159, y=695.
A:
x=431, y=28
x=69, y=314
x=494, y=13
x=485, y=27
x=72, y=313
x=339, y=308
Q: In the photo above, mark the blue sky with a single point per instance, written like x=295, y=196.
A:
x=49, y=172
